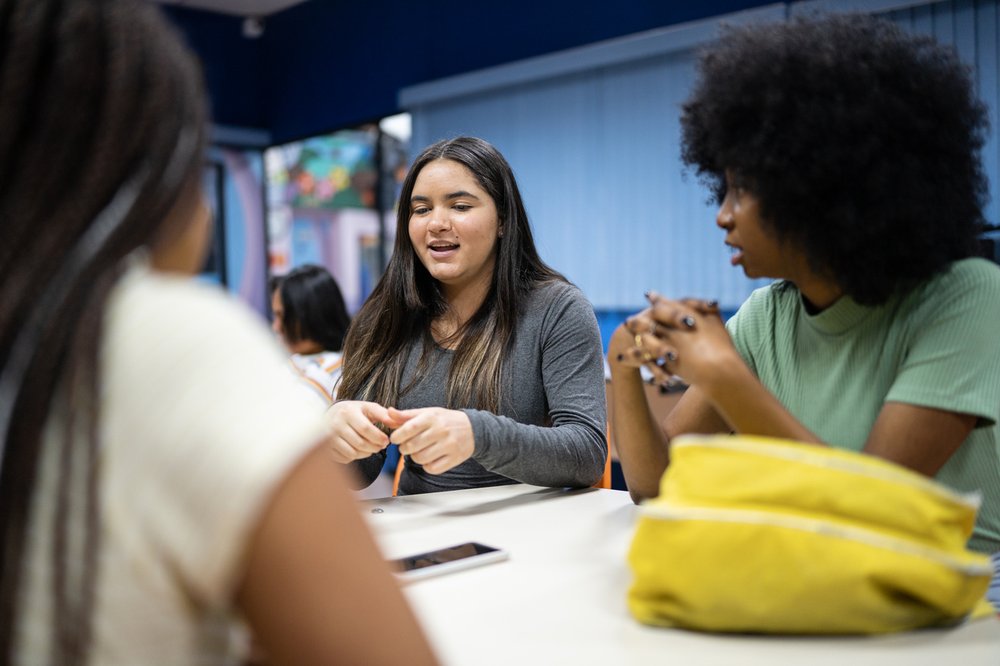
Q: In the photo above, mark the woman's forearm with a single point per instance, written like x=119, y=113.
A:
x=749, y=408
x=641, y=443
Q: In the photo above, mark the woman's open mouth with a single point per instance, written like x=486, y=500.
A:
x=439, y=250
x=736, y=254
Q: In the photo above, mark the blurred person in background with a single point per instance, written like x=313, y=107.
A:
x=311, y=319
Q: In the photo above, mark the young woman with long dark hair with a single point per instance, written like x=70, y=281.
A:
x=483, y=363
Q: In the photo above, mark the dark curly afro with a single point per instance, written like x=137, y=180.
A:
x=860, y=141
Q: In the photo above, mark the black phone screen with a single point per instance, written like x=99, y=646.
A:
x=443, y=555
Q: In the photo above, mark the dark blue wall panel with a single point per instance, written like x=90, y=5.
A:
x=326, y=64
x=232, y=65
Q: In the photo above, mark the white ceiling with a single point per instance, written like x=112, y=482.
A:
x=236, y=7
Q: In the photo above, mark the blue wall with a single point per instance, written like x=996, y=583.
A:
x=581, y=96
x=232, y=65
x=324, y=65
x=593, y=136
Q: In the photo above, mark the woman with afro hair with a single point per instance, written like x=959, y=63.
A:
x=844, y=154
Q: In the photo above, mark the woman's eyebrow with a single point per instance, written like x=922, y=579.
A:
x=460, y=193
x=450, y=195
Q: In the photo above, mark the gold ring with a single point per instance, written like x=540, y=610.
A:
x=638, y=340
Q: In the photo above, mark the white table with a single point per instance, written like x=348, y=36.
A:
x=560, y=598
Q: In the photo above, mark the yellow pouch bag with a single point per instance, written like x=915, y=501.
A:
x=753, y=534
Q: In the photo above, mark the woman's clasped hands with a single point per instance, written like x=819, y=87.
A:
x=438, y=439
x=678, y=340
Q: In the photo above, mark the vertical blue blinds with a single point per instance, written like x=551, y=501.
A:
x=593, y=136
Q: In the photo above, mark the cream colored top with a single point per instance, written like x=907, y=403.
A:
x=200, y=421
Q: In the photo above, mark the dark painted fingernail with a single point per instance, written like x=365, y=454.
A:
x=620, y=358
x=672, y=355
x=688, y=321
x=713, y=304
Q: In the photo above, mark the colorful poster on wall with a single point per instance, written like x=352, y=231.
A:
x=323, y=208
x=328, y=172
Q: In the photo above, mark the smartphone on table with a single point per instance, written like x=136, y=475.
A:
x=447, y=560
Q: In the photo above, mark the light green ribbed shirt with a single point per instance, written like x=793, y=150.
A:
x=938, y=346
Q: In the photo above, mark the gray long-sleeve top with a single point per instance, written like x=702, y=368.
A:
x=551, y=429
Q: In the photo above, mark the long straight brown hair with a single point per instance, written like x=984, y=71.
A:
x=407, y=299
x=101, y=131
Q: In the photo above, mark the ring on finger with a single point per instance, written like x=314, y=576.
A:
x=638, y=340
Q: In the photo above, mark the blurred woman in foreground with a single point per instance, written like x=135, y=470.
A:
x=159, y=476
